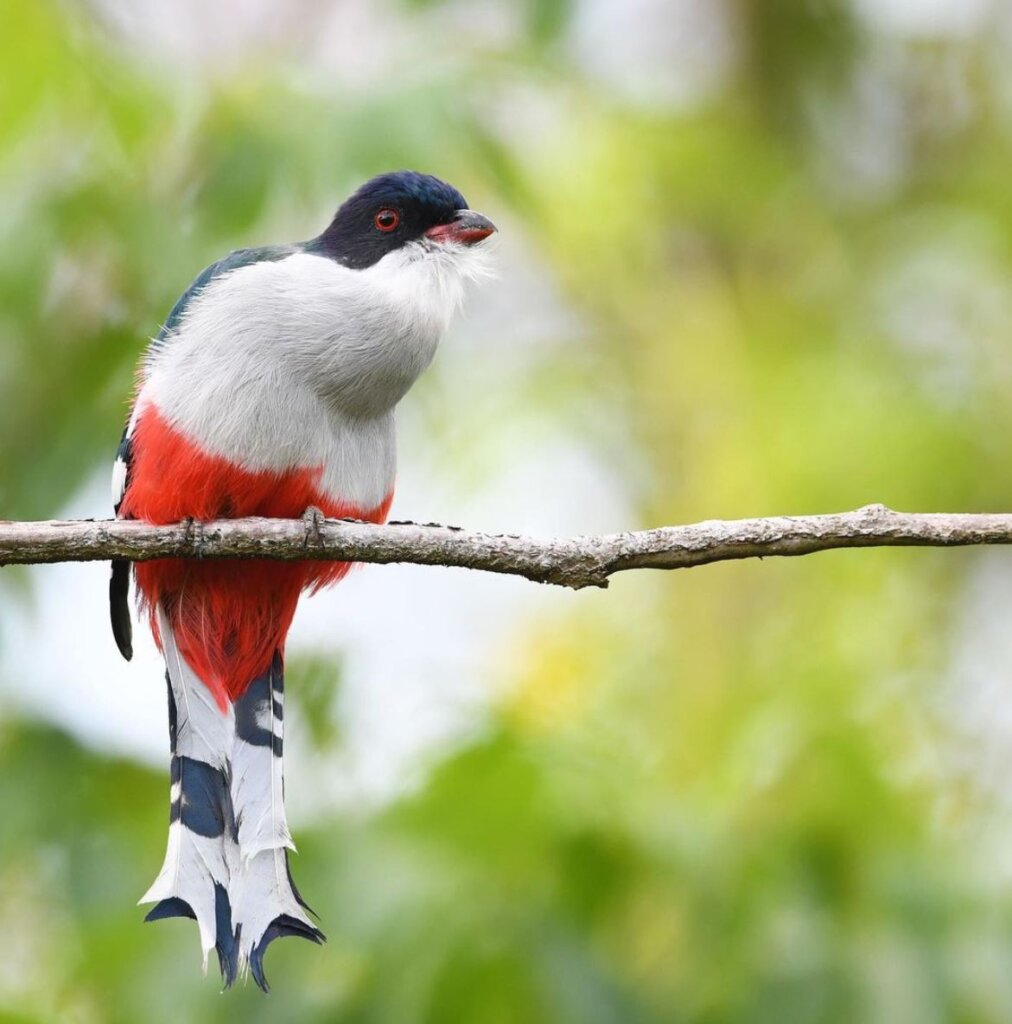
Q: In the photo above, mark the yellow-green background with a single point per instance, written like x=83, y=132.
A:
x=759, y=793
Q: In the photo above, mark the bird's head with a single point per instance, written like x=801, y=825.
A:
x=398, y=211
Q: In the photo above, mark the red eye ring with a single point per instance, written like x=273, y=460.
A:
x=386, y=219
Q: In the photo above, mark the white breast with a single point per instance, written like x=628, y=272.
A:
x=300, y=362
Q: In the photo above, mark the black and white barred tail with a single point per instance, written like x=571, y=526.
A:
x=226, y=865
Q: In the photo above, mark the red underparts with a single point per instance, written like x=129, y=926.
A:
x=228, y=616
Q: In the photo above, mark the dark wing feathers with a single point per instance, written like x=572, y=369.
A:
x=119, y=581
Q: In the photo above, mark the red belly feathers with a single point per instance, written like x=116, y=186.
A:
x=228, y=616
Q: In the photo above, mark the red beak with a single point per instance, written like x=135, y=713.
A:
x=466, y=228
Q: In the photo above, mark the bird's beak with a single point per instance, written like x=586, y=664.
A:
x=466, y=228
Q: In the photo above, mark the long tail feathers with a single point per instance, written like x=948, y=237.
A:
x=226, y=864
x=267, y=904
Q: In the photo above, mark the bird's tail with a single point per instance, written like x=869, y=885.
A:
x=266, y=904
x=227, y=859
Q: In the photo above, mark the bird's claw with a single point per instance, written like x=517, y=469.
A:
x=314, y=520
x=193, y=530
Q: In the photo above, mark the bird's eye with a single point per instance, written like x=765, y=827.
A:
x=387, y=219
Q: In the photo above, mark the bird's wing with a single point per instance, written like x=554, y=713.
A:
x=119, y=580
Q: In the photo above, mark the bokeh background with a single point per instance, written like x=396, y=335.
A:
x=754, y=259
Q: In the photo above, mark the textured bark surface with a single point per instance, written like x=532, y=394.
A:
x=571, y=562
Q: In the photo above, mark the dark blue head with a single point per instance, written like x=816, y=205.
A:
x=393, y=209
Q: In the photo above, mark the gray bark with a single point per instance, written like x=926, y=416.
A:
x=571, y=562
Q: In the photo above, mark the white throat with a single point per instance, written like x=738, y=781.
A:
x=386, y=323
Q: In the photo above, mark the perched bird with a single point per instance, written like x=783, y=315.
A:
x=270, y=391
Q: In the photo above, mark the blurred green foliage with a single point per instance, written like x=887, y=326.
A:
x=733, y=795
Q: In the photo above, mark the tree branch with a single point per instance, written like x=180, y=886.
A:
x=575, y=562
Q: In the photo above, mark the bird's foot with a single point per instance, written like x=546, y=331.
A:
x=314, y=520
x=193, y=531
